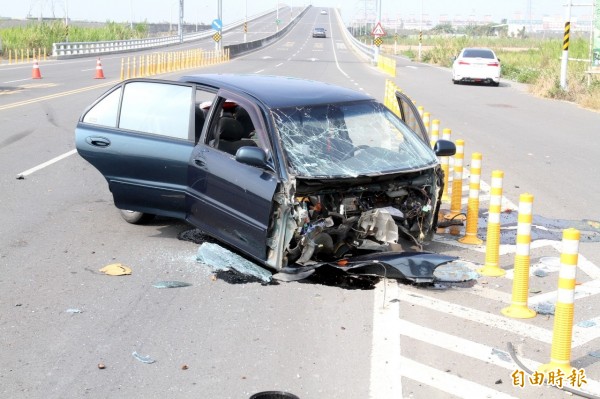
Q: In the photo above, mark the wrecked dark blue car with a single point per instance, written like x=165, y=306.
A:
x=288, y=171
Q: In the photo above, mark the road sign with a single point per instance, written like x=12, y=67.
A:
x=216, y=37
x=217, y=24
x=378, y=30
x=378, y=41
x=277, y=21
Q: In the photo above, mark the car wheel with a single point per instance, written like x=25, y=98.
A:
x=455, y=81
x=134, y=217
x=495, y=84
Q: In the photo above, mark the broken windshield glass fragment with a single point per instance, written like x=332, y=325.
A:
x=221, y=259
x=546, y=308
x=170, y=284
x=456, y=271
x=144, y=359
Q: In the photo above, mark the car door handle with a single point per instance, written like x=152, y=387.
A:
x=199, y=162
x=98, y=141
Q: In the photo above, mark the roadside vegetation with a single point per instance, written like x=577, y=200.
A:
x=534, y=61
x=41, y=35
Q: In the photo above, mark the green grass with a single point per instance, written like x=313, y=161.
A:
x=42, y=35
x=533, y=61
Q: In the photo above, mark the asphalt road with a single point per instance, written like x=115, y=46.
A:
x=215, y=339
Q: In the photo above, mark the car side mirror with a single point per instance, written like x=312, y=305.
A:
x=444, y=148
x=253, y=156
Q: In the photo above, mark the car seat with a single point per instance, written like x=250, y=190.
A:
x=229, y=136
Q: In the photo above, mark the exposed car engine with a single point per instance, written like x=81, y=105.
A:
x=334, y=225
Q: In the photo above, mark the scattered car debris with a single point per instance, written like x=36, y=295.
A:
x=184, y=367
x=456, y=271
x=221, y=259
x=101, y=366
x=540, y=273
x=171, y=284
x=360, y=272
x=586, y=323
x=143, y=359
x=544, y=308
x=116, y=269
x=504, y=356
x=595, y=354
x=73, y=310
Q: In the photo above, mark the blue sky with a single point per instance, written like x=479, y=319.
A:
x=233, y=10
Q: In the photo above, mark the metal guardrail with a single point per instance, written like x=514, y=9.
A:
x=236, y=50
x=368, y=51
x=84, y=49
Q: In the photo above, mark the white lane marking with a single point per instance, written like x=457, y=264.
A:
x=460, y=345
x=488, y=319
x=412, y=67
x=19, y=80
x=87, y=70
x=278, y=65
x=385, y=354
x=48, y=163
x=473, y=349
x=448, y=383
x=259, y=71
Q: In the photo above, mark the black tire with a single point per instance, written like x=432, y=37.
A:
x=134, y=217
x=495, y=84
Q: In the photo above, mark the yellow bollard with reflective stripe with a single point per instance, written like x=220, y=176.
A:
x=562, y=333
x=457, y=176
x=518, y=307
x=473, y=202
x=491, y=267
x=435, y=132
x=427, y=121
x=444, y=161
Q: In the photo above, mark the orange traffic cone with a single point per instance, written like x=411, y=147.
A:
x=35, y=73
x=99, y=72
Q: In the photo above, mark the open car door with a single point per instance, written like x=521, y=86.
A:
x=142, y=144
x=410, y=116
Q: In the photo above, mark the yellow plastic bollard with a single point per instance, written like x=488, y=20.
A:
x=562, y=333
x=421, y=110
x=473, y=202
x=122, y=68
x=491, y=268
x=456, y=195
x=128, y=75
x=518, y=308
x=427, y=121
x=446, y=133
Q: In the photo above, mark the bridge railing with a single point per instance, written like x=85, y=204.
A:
x=236, y=50
x=367, y=51
x=84, y=49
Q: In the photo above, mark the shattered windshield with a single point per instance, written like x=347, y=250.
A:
x=349, y=140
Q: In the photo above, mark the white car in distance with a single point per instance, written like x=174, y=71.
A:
x=476, y=65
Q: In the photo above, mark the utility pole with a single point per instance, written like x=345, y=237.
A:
x=180, y=27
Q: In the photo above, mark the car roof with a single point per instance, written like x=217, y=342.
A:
x=280, y=91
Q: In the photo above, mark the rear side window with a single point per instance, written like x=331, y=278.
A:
x=478, y=54
x=105, y=112
x=158, y=108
